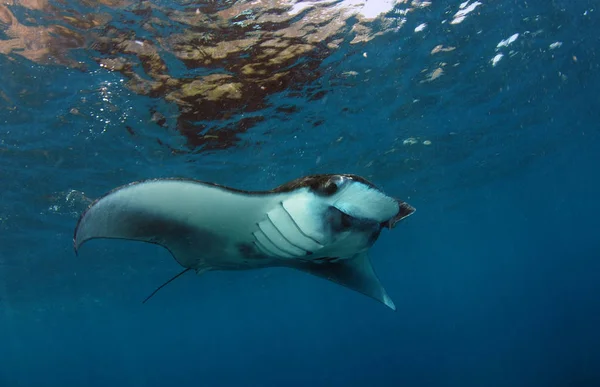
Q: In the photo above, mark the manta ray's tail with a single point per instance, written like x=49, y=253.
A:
x=166, y=283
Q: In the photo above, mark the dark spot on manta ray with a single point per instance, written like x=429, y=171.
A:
x=158, y=229
x=144, y=224
x=249, y=251
x=326, y=260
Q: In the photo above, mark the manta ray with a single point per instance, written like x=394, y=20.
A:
x=323, y=225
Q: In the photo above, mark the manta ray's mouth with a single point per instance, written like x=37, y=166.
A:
x=405, y=210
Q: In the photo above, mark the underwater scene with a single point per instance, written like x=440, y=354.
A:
x=300, y=193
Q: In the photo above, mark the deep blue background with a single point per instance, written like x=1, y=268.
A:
x=496, y=277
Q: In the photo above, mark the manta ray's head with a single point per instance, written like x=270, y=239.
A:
x=356, y=205
x=359, y=198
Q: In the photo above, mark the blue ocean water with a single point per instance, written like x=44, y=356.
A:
x=496, y=277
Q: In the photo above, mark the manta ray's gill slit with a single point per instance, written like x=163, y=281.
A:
x=307, y=252
x=292, y=250
x=262, y=249
x=298, y=227
x=272, y=249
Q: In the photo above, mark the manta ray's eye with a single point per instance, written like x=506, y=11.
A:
x=329, y=188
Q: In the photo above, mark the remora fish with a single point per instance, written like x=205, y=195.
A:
x=320, y=224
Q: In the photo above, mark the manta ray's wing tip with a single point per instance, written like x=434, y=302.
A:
x=387, y=300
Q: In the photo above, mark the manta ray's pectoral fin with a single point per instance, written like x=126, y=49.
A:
x=158, y=212
x=355, y=273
